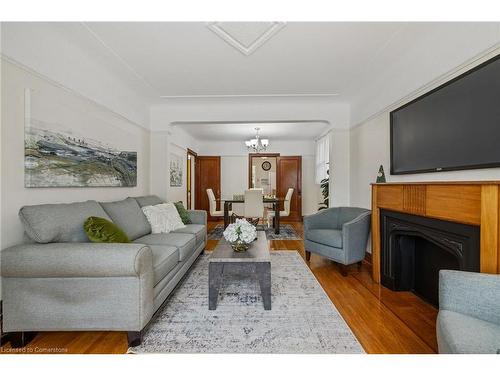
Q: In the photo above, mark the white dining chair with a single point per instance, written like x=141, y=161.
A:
x=254, y=205
x=286, y=211
x=213, y=205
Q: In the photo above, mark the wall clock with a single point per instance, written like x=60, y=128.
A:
x=266, y=166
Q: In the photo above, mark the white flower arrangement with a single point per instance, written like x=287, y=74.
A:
x=241, y=231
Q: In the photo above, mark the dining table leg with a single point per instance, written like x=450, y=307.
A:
x=226, y=214
x=277, y=218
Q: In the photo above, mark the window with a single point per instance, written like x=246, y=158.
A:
x=322, y=158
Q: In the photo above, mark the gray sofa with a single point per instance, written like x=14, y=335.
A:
x=468, y=321
x=59, y=281
x=339, y=234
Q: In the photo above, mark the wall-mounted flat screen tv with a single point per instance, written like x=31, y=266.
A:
x=455, y=126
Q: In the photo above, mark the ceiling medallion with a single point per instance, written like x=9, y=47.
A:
x=237, y=41
x=257, y=144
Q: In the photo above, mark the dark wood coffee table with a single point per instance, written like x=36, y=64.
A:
x=255, y=261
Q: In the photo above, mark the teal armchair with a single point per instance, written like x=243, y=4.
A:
x=339, y=234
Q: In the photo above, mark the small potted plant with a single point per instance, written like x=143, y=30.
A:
x=240, y=235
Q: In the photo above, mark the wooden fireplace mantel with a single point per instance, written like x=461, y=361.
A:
x=467, y=202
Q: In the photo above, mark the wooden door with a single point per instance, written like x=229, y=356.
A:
x=207, y=177
x=290, y=176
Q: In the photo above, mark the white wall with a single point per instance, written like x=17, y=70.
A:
x=250, y=109
x=339, y=168
x=439, y=48
x=370, y=147
x=14, y=195
x=162, y=144
x=234, y=180
x=238, y=148
x=269, y=109
x=54, y=50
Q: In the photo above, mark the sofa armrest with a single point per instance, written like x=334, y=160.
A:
x=198, y=216
x=76, y=260
x=470, y=293
x=355, y=237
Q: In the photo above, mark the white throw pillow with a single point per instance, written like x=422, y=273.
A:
x=163, y=218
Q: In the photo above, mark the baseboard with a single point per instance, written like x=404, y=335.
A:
x=3, y=336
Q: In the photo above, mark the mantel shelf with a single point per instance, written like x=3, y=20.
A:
x=438, y=183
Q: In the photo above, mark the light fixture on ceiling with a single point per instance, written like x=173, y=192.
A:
x=257, y=144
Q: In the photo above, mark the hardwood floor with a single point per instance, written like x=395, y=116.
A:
x=383, y=321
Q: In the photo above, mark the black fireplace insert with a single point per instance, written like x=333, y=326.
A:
x=414, y=249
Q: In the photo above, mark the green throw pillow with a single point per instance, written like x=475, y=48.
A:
x=182, y=213
x=102, y=230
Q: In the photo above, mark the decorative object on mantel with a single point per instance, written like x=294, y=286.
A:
x=325, y=192
x=240, y=235
x=257, y=144
x=381, y=175
x=57, y=155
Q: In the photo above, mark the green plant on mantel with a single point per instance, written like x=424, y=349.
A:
x=325, y=191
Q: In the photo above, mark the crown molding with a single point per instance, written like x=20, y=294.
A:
x=118, y=57
x=271, y=31
x=443, y=78
x=51, y=81
x=298, y=95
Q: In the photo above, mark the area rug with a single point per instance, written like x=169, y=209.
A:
x=286, y=232
x=302, y=319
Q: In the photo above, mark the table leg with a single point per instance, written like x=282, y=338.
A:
x=263, y=271
x=226, y=214
x=215, y=275
x=277, y=218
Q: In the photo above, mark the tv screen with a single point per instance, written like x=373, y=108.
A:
x=455, y=126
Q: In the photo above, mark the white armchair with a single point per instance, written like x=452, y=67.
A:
x=286, y=204
x=254, y=205
x=213, y=205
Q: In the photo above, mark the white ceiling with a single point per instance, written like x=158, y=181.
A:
x=366, y=66
x=189, y=59
x=231, y=131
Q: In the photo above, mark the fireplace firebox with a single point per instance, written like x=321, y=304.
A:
x=414, y=249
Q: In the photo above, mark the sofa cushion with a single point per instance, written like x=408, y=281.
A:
x=163, y=218
x=183, y=213
x=148, y=200
x=184, y=242
x=59, y=222
x=198, y=230
x=128, y=216
x=462, y=334
x=329, y=237
x=104, y=231
x=165, y=258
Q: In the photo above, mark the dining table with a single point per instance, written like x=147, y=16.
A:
x=266, y=200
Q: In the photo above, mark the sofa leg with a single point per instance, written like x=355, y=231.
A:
x=308, y=255
x=360, y=264
x=343, y=270
x=134, y=338
x=20, y=339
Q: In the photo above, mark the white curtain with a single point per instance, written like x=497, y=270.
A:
x=322, y=158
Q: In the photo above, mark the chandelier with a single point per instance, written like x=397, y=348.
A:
x=257, y=144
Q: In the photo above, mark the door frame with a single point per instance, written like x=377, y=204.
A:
x=189, y=176
x=252, y=155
